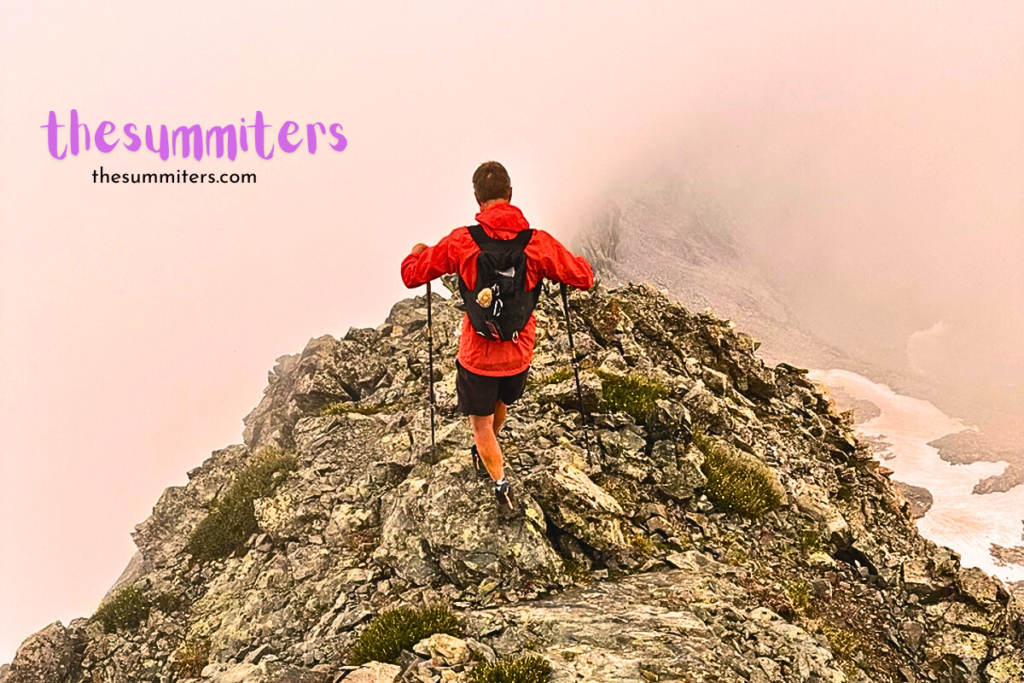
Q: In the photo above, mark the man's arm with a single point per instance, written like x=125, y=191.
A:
x=560, y=265
x=426, y=263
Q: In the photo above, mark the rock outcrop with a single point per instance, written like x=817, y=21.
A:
x=718, y=521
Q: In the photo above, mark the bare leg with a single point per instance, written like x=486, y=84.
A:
x=499, y=416
x=487, y=444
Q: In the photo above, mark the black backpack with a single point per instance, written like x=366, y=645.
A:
x=500, y=305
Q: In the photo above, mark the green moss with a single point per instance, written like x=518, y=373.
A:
x=126, y=609
x=399, y=629
x=522, y=669
x=635, y=395
x=736, y=484
x=232, y=518
x=191, y=658
x=345, y=407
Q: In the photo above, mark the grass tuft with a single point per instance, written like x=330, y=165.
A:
x=126, y=609
x=736, y=484
x=191, y=658
x=399, y=629
x=635, y=395
x=232, y=518
x=809, y=541
x=799, y=594
x=844, y=645
x=553, y=377
x=522, y=669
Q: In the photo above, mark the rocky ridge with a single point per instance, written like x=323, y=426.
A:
x=622, y=567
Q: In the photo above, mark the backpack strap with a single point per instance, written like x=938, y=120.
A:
x=481, y=237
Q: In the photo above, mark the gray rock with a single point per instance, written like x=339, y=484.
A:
x=45, y=657
x=447, y=525
x=374, y=672
x=451, y=650
x=576, y=504
x=677, y=469
x=564, y=393
x=239, y=673
x=715, y=381
x=920, y=499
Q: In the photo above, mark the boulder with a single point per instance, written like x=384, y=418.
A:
x=564, y=393
x=576, y=504
x=446, y=525
x=1008, y=668
x=717, y=382
x=979, y=587
x=44, y=657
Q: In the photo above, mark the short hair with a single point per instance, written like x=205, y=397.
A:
x=491, y=181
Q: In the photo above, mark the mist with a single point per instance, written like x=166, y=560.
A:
x=873, y=158
x=874, y=167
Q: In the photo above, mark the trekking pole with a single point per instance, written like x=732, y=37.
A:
x=430, y=362
x=576, y=370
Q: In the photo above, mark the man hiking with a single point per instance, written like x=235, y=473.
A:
x=501, y=264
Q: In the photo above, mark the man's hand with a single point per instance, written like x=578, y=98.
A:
x=419, y=248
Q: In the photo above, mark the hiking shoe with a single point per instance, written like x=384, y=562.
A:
x=506, y=501
x=478, y=463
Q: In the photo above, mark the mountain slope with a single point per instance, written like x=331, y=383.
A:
x=720, y=523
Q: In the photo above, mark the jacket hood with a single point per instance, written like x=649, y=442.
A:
x=503, y=220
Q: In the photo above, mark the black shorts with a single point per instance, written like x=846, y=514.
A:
x=478, y=394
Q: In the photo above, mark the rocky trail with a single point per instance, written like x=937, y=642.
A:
x=727, y=526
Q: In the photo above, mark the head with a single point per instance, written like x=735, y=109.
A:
x=491, y=184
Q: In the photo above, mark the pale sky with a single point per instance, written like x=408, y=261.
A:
x=883, y=146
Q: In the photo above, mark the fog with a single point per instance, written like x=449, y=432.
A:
x=872, y=157
x=874, y=166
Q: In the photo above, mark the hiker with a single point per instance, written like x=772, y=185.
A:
x=499, y=328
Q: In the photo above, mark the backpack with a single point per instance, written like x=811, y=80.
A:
x=500, y=305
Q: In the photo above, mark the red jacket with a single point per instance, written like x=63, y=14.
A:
x=457, y=252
